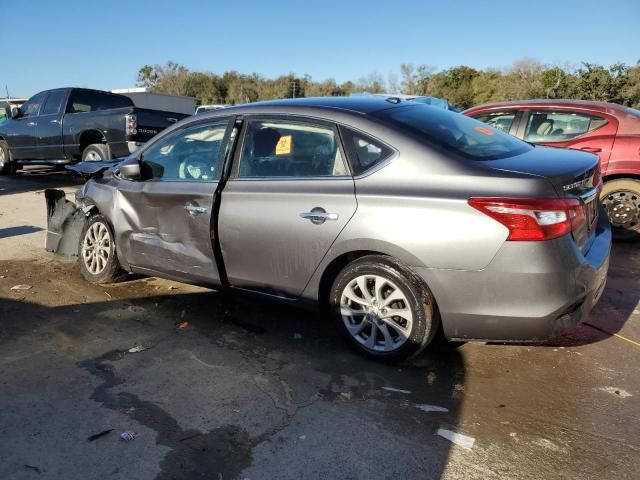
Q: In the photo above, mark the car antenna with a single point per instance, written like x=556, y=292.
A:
x=394, y=100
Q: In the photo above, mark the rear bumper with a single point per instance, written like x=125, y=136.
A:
x=529, y=292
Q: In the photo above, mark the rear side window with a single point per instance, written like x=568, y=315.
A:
x=453, y=132
x=279, y=148
x=499, y=120
x=53, y=104
x=364, y=152
x=559, y=126
x=89, y=101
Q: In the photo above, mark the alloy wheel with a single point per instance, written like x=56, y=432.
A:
x=93, y=157
x=96, y=248
x=376, y=312
x=2, y=158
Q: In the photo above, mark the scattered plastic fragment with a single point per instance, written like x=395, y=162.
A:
x=171, y=287
x=464, y=441
x=98, y=435
x=397, y=390
x=129, y=435
x=302, y=437
x=297, y=336
x=182, y=325
x=431, y=408
x=618, y=392
x=21, y=287
x=137, y=348
x=346, y=395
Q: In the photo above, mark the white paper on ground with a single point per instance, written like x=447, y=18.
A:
x=431, y=408
x=463, y=440
x=398, y=390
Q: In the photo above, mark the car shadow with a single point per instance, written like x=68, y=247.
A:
x=35, y=178
x=318, y=384
x=16, y=231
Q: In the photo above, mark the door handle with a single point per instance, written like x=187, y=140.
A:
x=31, y=124
x=591, y=149
x=55, y=121
x=194, y=210
x=318, y=216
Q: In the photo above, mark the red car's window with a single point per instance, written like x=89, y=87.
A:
x=559, y=126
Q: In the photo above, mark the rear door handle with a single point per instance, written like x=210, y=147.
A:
x=194, y=210
x=55, y=121
x=591, y=149
x=318, y=216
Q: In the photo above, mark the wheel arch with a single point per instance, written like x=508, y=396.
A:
x=621, y=176
x=89, y=137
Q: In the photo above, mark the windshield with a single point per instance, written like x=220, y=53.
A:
x=453, y=132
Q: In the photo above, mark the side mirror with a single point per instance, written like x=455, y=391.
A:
x=15, y=112
x=130, y=169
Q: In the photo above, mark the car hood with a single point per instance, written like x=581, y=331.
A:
x=93, y=169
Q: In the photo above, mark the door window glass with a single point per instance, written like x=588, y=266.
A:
x=559, y=126
x=498, y=120
x=274, y=148
x=31, y=107
x=53, y=103
x=188, y=155
x=364, y=151
x=90, y=101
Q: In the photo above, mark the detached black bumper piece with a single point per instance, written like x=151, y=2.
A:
x=64, y=224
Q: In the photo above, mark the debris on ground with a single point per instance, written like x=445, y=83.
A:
x=129, y=435
x=297, y=336
x=464, y=441
x=346, y=395
x=31, y=467
x=431, y=377
x=107, y=294
x=617, y=392
x=21, y=287
x=137, y=348
x=182, y=325
x=172, y=287
x=98, y=435
x=397, y=390
x=302, y=437
x=431, y=408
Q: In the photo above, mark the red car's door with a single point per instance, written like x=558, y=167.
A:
x=591, y=131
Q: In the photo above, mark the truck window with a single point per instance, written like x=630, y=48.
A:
x=53, y=103
x=91, y=101
x=31, y=107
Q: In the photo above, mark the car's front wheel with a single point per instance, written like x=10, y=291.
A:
x=384, y=310
x=98, y=258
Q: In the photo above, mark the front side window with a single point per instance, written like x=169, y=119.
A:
x=499, y=120
x=188, y=155
x=89, y=101
x=453, y=132
x=278, y=148
x=53, y=103
x=31, y=107
x=559, y=126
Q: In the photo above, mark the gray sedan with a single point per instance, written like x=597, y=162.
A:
x=403, y=220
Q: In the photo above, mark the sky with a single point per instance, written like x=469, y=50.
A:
x=53, y=43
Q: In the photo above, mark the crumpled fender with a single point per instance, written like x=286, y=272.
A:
x=92, y=169
x=65, y=222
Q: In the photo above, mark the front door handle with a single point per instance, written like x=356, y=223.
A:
x=194, y=210
x=54, y=121
x=31, y=124
x=318, y=216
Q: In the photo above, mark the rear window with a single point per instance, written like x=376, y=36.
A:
x=91, y=101
x=453, y=132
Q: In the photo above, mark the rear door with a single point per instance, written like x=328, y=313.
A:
x=288, y=198
x=50, y=126
x=588, y=131
x=169, y=211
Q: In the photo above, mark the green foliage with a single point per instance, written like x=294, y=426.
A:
x=462, y=86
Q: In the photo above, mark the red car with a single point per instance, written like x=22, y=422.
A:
x=609, y=130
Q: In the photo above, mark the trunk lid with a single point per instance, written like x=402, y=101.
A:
x=572, y=173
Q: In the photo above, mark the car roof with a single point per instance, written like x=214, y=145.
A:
x=548, y=102
x=357, y=104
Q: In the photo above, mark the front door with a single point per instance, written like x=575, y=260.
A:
x=22, y=131
x=50, y=126
x=288, y=198
x=166, y=222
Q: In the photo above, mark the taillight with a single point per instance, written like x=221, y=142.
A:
x=130, y=124
x=597, y=180
x=531, y=219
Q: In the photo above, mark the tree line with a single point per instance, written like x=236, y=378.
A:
x=463, y=86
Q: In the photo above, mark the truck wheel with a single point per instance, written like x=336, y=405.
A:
x=96, y=152
x=98, y=258
x=384, y=310
x=621, y=199
x=7, y=167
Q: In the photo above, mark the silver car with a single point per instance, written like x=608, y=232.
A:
x=404, y=220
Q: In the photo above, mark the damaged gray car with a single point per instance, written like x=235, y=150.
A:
x=404, y=220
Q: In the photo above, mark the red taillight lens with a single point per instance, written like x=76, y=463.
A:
x=533, y=219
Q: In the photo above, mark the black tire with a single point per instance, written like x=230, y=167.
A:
x=96, y=152
x=621, y=197
x=111, y=272
x=7, y=166
x=420, y=302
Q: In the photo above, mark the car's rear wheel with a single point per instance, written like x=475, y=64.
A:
x=621, y=200
x=384, y=310
x=98, y=258
x=96, y=152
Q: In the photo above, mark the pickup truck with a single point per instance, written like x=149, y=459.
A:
x=66, y=125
